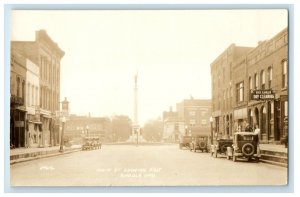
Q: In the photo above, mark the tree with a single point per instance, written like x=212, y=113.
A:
x=121, y=128
x=153, y=130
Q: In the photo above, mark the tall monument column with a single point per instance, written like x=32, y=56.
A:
x=135, y=120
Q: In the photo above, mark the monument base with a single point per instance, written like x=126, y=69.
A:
x=133, y=138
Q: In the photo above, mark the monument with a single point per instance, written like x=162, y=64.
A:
x=136, y=130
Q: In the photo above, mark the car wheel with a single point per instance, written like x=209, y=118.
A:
x=248, y=149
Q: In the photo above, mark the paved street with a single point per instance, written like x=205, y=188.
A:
x=129, y=165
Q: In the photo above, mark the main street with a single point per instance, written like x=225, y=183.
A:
x=143, y=165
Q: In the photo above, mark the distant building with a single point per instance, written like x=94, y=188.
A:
x=252, y=86
x=191, y=115
x=80, y=126
x=173, y=127
x=46, y=54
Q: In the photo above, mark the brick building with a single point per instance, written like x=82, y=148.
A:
x=79, y=126
x=17, y=99
x=263, y=68
x=222, y=70
x=46, y=54
x=190, y=114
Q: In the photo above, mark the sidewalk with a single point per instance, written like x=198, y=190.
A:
x=273, y=147
x=27, y=154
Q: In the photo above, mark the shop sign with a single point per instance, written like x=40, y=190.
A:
x=262, y=95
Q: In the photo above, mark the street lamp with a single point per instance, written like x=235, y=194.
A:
x=211, y=120
x=87, y=130
x=61, y=149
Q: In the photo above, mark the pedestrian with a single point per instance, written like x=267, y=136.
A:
x=239, y=129
x=248, y=128
x=257, y=131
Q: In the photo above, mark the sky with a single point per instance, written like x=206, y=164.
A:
x=171, y=50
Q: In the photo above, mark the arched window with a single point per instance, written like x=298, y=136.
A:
x=263, y=79
x=250, y=83
x=256, y=82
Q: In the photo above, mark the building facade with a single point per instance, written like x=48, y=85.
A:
x=263, y=70
x=46, y=54
x=79, y=126
x=33, y=124
x=223, y=88
x=17, y=100
x=195, y=113
x=191, y=115
x=173, y=127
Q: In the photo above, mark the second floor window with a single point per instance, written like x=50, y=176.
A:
x=284, y=74
x=270, y=73
x=263, y=79
x=256, y=81
x=240, y=92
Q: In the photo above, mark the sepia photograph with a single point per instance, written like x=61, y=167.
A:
x=148, y=97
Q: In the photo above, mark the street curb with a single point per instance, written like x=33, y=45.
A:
x=12, y=162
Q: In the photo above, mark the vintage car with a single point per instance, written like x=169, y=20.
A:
x=219, y=146
x=245, y=145
x=90, y=143
x=199, y=142
x=184, y=141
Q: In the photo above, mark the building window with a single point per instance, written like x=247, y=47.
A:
x=256, y=81
x=263, y=79
x=23, y=90
x=240, y=92
x=203, y=113
x=270, y=74
x=18, y=87
x=32, y=95
x=192, y=113
x=28, y=94
x=192, y=122
x=203, y=122
x=250, y=83
x=285, y=108
x=284, y=74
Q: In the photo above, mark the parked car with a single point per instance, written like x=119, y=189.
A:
x=90, y=143
x=184, y=141
x=219, y=146
x=245, y=145
x=199, y=142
